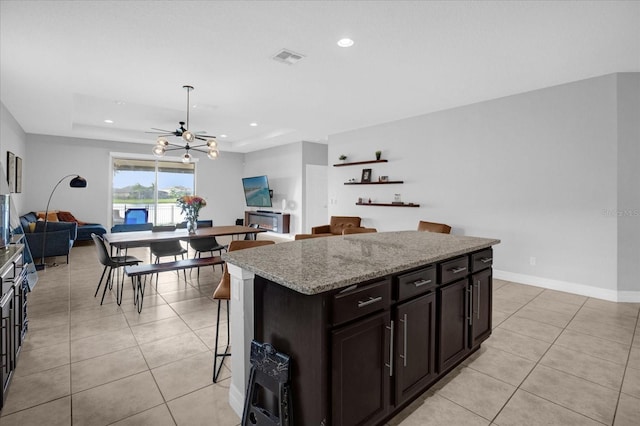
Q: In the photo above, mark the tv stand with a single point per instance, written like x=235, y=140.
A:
x=271, y=221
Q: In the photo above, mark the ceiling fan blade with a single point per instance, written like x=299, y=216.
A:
x=162, y=130
x=161, y=134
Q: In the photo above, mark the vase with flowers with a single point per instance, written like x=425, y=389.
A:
x=190, y=206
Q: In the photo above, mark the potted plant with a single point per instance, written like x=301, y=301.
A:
x=342, y=158
x=378, y=155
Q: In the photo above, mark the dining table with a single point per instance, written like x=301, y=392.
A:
x=125, y=240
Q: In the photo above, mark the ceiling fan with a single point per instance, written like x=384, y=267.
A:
x=163, y=145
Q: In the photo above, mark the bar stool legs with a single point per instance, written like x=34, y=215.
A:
x=217, y=368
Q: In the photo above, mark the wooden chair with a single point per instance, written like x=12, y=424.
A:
x=223, y=292
x=434, y=227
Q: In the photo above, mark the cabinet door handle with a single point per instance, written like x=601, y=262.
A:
x=404, y=338
x=469, y=304
x=486, y=259
x=478, y=294
x=458, y=270
x=371, y=300
x=390, y=365
x=420, y=283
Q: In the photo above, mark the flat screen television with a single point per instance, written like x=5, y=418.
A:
x=256, y=191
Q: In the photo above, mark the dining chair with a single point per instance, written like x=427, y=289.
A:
x=434, y=227
x=166, y=248
x=111, y=263
x=223, y=292
x=207, y=244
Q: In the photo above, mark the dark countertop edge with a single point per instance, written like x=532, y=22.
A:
x=336, y=285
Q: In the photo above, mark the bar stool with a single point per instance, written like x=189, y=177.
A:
x=223, y=292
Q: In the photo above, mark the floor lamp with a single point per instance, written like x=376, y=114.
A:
x=76, y=182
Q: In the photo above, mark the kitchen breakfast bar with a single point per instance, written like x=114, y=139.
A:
x=370, y=321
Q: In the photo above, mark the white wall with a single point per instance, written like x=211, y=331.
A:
x=282, y=165
x=535, y=170
x=628, y=208
x=49, y=158
x=12, y=138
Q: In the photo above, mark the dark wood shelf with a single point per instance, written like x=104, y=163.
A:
x=388, y=204
x=375, y=183
x=360, y=162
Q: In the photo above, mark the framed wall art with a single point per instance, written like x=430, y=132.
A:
x=11, y=171
x=366, y=175
x=18, y=175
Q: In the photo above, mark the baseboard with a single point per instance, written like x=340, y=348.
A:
x=236, y=400
x=569, y=287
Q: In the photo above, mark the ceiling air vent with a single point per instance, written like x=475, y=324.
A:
x=287, y=57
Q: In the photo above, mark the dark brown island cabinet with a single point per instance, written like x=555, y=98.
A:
x=362, y=354
x=13, y=306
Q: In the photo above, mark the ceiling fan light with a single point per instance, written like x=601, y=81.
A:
x=188, y=136
x=212, y=143
x=162, y=141
x=186, y=158
x=159, y=150
x=213, y=154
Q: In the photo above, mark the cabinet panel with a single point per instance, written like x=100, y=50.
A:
x=6, y=343
x=415, y=346
x=453, y=324
x=481, y=284
x=481, y=260
x=361, y=371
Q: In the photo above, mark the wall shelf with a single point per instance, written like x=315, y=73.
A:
x=360, y=162
x=388, y=204
x=375, y=183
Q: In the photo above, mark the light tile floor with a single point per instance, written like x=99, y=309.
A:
x=553, y=358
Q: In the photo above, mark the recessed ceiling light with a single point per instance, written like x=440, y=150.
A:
x=345, y=42
x=223, y=136
x=108, y=121
x=253, y=124
x=120, y=102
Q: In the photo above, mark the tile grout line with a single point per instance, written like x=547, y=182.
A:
x=539, y=359
x=626, y=367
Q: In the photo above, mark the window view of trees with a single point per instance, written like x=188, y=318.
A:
x=155, y=185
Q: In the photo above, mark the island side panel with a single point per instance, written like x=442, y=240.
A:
x=297, y=325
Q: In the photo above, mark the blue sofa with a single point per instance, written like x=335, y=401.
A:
x=60, y=236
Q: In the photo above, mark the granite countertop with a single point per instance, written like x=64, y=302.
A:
x=317, y=265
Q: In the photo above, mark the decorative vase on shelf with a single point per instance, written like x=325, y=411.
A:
x=378, y=155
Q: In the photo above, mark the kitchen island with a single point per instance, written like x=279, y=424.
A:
x=370, y=320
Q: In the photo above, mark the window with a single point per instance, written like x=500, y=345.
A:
x=151, y=184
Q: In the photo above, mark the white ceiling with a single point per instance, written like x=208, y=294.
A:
x=66, y=66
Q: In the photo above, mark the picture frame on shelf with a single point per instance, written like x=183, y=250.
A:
x=366, y=176
x=11, y=171
x=383, y=179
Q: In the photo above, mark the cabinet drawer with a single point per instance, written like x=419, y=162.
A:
x=453, y=269
x=481, y=260
x=361, y=301
x=416, y=282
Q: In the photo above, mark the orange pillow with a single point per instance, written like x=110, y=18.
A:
x=68, y=217
x=51, y=216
